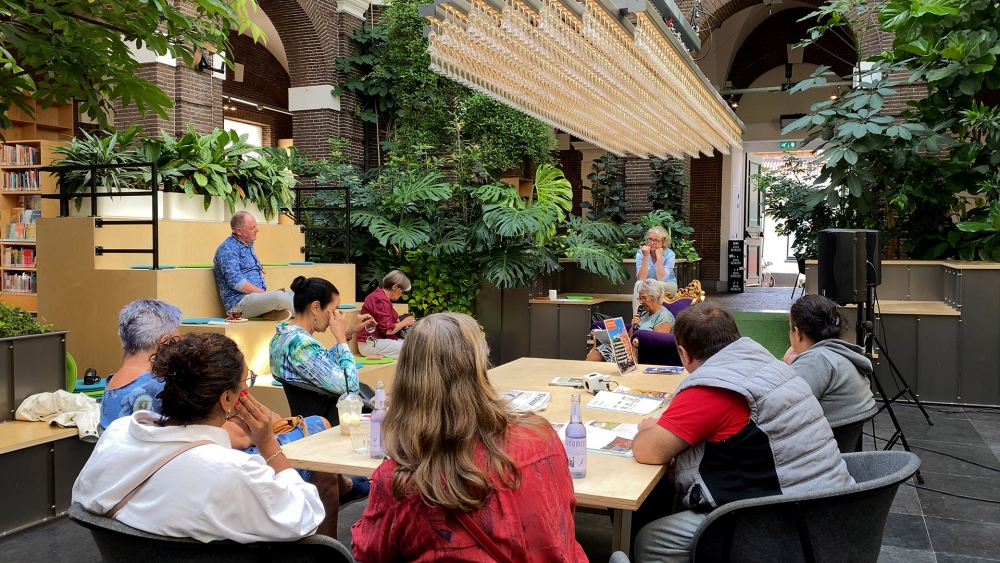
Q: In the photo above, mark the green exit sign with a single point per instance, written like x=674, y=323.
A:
x=788, y=145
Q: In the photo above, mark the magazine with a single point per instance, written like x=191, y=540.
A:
x=615, y=335
x=527, y=401
x=628, y=404
x=567, y=382
x=661, y=395
x=612, y=438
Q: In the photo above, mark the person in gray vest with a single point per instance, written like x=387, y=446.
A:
x=837, y=372
x=741, y=425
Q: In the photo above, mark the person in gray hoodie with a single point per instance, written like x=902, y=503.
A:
x=837, y=372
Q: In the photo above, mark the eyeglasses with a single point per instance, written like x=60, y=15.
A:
x=644, y=298
x=653, y=240
x=251, y=379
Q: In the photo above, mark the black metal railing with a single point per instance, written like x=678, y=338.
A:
x=64, y=201
x=314, y=215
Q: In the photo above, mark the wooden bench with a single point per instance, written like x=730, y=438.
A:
x=38, y=465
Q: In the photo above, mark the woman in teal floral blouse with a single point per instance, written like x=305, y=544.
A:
x=297, y=356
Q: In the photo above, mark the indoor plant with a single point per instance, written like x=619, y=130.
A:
x=90, y=150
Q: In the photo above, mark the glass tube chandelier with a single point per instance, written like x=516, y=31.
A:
x=585, y=69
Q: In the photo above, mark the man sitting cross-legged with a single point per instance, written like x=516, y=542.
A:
x=741, y=425
x=240, y=276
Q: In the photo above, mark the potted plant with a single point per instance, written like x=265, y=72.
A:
x=36, y=360
x=89, y=150
x=267, y=182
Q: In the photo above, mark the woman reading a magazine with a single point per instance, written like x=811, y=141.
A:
x=652, y=315
x=459, y=459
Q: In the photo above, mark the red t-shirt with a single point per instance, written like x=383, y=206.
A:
x=378, y=305
x=533, y=523
x=706, y=414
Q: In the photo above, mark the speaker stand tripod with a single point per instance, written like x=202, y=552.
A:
x=866, y=338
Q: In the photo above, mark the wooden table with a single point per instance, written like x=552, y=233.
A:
x=616, y=483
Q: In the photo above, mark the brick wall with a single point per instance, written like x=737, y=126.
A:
x=571, y=163
x=706, y=212
x=264, y=79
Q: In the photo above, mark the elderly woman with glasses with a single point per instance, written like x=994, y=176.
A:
x=651, y=316
x=655, y=261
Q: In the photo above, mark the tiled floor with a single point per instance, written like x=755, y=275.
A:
x=923, y=527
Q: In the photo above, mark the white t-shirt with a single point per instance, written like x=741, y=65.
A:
x=210, y=492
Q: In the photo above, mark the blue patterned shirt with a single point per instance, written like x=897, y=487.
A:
x=297, y=356
x=139, y=395
x=235, y=264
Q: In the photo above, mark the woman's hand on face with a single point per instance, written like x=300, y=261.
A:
x=338, y=324
x=254, y=419
x=645, y=249
x=658, y=253
x=790, y=355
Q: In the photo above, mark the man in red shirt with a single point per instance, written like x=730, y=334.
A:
x=730, y=430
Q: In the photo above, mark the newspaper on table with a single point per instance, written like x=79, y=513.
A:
x=611, y=438
x=527, y=401
x=628, y=404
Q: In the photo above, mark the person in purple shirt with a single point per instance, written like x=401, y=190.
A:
x=240, y=276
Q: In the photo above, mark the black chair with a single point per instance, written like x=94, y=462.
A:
x=848, y=437
x=119, y=543
x=308, y=400
x=837, y=525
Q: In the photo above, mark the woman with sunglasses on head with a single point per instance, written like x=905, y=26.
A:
x=297, y=356
x=210, y=491
x=655, y=261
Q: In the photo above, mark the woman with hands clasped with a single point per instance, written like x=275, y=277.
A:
x=655, y=261
x=209, y=491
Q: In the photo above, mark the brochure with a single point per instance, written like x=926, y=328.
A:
x=615, y=335
x=661, y=395
x=567, y=382
x=628, y=404
x=527, y=401
x=611, y=438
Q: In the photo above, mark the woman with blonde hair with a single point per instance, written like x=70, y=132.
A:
x=655, y=261
x=459, y=459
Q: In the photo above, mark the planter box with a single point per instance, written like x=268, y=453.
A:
x=180, y=207
x=124, y=207
x=252, y=209
x=29, y=365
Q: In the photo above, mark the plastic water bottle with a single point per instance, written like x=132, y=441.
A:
x=576, y=441
x=376, y=449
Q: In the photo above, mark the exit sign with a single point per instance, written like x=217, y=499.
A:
x=788, y=145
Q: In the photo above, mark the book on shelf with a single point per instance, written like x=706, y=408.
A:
x=30, y=231
x=19, y=257
x=20, y=282
x=29, y=202
x=612, y=438
x=20, y=155
x=21, y=181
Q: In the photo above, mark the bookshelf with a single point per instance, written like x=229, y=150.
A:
x=29, y=145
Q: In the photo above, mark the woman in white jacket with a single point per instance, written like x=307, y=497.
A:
x=209, y=492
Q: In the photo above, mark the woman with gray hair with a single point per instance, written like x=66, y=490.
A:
x=383, y=332
x=652, y=315
x=142, y=326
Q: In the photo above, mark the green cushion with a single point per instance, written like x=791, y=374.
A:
x=769, y=329
x=274, y=264
x=70, y=373
x=366, y=362
x=579, y=297
x=196, y=266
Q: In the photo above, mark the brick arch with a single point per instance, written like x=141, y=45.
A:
x=733, y=7
x=765, y=48
x=309, y=32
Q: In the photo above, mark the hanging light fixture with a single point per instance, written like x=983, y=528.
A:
x=625, y=84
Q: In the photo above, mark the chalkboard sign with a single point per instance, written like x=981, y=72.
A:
x=736, y=266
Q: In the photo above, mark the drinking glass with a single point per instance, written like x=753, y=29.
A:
x=361, y=437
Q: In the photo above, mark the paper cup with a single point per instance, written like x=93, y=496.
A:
x=553, y=294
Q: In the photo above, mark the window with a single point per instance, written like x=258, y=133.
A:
x=254, y=132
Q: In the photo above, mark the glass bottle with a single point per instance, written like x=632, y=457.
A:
x=375, y=449
x=349, y=407
x=576, y=440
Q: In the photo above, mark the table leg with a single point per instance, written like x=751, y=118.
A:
x=621, y=536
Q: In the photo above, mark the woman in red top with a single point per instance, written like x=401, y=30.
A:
x=454, y=447
x=381, y=337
